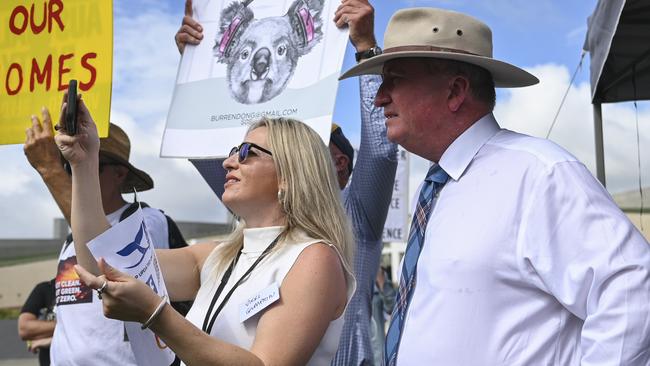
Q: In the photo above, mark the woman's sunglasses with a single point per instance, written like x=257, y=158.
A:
x=244, y=149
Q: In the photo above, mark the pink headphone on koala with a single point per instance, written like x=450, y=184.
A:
x=301, y=20
x=305, y=23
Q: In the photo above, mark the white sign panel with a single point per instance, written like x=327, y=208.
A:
x=396, y=227
x=128, y=247
x=276, y=58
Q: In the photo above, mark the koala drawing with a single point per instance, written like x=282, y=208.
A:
x=261, y=54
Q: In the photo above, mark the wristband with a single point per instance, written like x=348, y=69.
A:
x=372, y=52
x=155, y=313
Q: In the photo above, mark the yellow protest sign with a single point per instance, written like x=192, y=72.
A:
x=44, y=44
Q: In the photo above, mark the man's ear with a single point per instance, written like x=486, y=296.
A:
x=458, y=90
x=121, y=172
x=342, y=162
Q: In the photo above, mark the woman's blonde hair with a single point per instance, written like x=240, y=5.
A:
x=309, y=192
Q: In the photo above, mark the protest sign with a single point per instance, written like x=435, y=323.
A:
x=396, y=227
x=44, y=44
x=127, y=246
x=257, y=58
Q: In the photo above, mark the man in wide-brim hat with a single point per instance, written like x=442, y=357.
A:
x=516, y=255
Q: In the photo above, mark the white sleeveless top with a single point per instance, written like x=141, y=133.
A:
x=269, y=272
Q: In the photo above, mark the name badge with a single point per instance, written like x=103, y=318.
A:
x=259, y=302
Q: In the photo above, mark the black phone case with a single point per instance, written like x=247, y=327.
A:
x=71, y=110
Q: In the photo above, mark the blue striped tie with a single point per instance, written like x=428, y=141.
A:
x=436, y=178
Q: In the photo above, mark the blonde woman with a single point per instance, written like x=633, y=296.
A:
x=292, y=233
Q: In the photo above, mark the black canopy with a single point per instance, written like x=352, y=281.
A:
x=618, y=42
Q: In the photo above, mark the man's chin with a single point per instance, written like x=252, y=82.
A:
x=392, y=135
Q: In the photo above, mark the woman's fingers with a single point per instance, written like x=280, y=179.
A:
x=65, y=141
x=92, y=281
x=110, y=272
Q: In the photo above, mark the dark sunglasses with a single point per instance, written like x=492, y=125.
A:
x=244, y=149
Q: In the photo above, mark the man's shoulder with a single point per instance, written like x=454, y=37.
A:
x=524, y=147
x=44, y=287
x=153, y=212
x=154, y=215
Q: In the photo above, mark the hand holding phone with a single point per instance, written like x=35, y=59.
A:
x=71, y=110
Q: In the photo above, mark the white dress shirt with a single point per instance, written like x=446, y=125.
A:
x=526, y=261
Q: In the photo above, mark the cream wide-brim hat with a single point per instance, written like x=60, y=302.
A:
x=442, y=34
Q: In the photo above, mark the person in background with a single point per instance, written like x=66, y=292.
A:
x=366, y=193
x=383, y=301
x=37, y=320
x=517, y=255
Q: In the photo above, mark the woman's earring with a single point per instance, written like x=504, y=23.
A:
x=280, y=195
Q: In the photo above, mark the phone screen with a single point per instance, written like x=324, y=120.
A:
x=71, y=110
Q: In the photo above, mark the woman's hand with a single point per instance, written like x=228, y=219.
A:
x=84, y=146
x=124, y=297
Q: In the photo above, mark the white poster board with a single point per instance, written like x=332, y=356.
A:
x=276, y=58
x=396, y=227
x=127, y=246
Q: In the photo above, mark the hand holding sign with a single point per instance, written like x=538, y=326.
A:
x=40, y=150
x=359, y=15
x=190, y=31
x=124, y=297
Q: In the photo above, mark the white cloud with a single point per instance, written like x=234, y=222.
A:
x=145, y=73
x=531, y=110
x=17, y=182
x=27, y=209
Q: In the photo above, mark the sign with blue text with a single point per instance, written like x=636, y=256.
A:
x=127, y=246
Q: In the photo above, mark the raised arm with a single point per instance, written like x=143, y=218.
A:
x=370, y=190
x=368, y=195
x=44, y=156
x=82, y=152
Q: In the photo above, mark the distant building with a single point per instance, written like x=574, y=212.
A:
x=630, y=203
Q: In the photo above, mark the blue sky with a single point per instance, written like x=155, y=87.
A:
x=543, y=36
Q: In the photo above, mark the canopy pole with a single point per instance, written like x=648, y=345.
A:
x=598, y=136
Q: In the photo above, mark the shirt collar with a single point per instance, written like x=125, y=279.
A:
x=461, y=152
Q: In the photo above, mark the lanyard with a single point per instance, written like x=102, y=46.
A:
x=207, y=327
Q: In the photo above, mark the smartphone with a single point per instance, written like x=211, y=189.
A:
x=71, y=110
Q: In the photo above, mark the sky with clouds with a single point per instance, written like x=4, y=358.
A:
x=545, y=37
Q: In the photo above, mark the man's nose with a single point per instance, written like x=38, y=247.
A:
x=382, y=98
